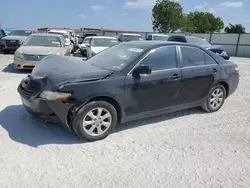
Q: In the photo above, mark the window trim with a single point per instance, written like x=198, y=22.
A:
x=149, y=52
x=181, y=57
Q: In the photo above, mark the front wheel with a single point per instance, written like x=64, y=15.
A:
x=95, y=120
x=215, y=99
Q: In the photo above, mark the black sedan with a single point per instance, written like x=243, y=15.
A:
x=126, y=82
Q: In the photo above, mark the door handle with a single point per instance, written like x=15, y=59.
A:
x=175, y=77
x=214, y=70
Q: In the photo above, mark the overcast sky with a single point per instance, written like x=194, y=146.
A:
x=112, y=14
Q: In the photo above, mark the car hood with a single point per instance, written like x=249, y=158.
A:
x=62, y=70
x=214, y=47
x=40, y=50
x=23, y=38
x=98, y=49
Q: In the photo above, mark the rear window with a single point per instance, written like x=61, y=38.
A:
x=177, y=39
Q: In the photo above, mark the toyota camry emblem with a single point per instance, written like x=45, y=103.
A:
x=37, y=57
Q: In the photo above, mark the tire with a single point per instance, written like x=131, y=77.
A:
x=98, y=129
x=216, y=95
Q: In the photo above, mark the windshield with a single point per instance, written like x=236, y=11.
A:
x=131, y=37
x=198, y=41
x=64, y=34
x=86, y=40
x=20, y=33
x=157, y=37
x=49, y=41
x=117, y=57
x=103, y=42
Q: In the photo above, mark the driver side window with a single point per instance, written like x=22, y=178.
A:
x=161, y=59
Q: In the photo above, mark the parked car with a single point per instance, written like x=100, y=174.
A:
x=66, y=35
x=217, y=49
x=160, y=37
x=126, y=37
x=38, y=46
x=13, y=41
x=126, y=82
x=2, y=33
x=82, y=46
x=73, y=39
x=98, y=44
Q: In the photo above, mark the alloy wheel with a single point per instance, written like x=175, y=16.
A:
x=97, y=121
x=216, y=98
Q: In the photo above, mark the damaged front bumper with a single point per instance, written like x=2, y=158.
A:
x=56, y=111
x=43, y=108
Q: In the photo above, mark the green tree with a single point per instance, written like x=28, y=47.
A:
x=202, y=22
x=167, y=16
x=238, y=28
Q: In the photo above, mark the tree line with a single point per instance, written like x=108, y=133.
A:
x=168, y=17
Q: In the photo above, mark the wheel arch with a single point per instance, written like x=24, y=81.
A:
x=111, y=100
x=226, y=86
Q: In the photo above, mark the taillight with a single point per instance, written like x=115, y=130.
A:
x=236, y=69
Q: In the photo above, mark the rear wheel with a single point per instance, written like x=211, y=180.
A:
x=95, y=120
x=215, y=99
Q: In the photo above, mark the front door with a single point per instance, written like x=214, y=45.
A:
x=199, y=72
x=157, y=90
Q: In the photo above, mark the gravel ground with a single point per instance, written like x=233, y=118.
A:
x=184, y=149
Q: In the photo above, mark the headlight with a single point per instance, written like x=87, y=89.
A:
x=54, y=96
x=18, y=55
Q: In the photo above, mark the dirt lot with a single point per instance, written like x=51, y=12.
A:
x=185, y=149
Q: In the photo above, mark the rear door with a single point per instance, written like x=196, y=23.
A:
x=199, y=73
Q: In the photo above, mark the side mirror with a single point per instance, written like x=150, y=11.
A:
x=87, y=44
x=142, y=70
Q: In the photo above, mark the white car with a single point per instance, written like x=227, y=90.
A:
x=160, y=37
x=98, y=44
x=83, y=47
x=66, y=35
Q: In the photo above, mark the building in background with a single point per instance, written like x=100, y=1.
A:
x=46, y=29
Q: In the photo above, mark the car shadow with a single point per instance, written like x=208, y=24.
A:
x=25, y=129
x=11, y=69
x=157, y=119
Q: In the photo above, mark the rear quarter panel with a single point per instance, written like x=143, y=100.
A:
x=228, y=75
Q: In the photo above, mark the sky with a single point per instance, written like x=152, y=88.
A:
x=132, y=15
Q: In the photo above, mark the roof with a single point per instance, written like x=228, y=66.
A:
x=131, y=34
x=58, y=31
x=46, y=34
x=88, y=37
x=155, y=34
x=103, y=37
x=152, y=44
